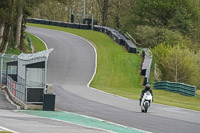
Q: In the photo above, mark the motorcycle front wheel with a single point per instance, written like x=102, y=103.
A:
x=145, y=110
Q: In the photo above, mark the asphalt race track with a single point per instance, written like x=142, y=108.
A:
x=70, y=68
x=15, y=122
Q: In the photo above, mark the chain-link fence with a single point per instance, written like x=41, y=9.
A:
x=4, y=58
x=25, y=75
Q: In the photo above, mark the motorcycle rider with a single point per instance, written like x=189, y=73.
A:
x=147, y=88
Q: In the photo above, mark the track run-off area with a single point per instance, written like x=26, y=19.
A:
x=71, y=67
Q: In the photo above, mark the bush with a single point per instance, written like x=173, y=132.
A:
x=177, y=63
x=152, y=36
x=147, y=36
x=197, y=83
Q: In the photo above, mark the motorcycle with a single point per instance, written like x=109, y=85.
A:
x=146, y=102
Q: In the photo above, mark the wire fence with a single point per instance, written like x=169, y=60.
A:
x=4, y=58
x=25, y=75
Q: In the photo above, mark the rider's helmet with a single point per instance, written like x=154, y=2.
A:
x=147, y=87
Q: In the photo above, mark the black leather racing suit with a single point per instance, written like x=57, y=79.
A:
x=145, y=90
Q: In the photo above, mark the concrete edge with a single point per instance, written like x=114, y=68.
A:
x=18, y=102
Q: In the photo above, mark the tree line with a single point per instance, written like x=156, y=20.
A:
x=169, y=27
x=12, y=19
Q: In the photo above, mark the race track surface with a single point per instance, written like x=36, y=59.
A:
x=22, y=123
x=4, y=103
x=71, y=66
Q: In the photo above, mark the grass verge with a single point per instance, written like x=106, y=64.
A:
x=118, y=71
x=12, y=50
x=37, y=43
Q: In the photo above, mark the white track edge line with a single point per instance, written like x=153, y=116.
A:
x=40, y=40
x=9, y=130
x=88, y=85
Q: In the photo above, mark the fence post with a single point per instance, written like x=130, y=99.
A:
x=25, y=84
x=1, y=71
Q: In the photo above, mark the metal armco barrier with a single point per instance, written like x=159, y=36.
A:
x=58, y=23
x=3, y=63
x=113, y=33
x=118, y=37
x=180, y=88
x=146, y=65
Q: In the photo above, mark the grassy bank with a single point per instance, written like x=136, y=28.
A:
x=118, y=71
x=37, y=43
x=11, y=50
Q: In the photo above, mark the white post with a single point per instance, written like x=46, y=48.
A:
x=45, y=75
x=2, y=59
x=83, y=9
x=92, y=22
x=1, y=69
x=25, y=86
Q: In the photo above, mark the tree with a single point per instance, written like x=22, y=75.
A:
x=2, y=25
x=3, y=16
x=23, y=9
x=118, y=12
x=150, y=36
x=197, y=83
x=160, y=52
x=175, y=14
x=51, y=10
x=181, y=21
x=157, y=12
x=147, y=36
x=9, y=14
x=103, y=6
x=180, y=65
x=20, y=4
x=177, y=64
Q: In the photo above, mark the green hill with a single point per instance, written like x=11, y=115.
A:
x=118, y=72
